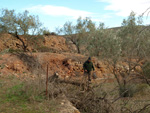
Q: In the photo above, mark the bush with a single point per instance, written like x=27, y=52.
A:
x=89, y=102
x=53, y=33
x=146, y=69
x=44, y=49
x=36, y=41
x=142, y=88
x=127, y=91
x=46, y=33
x=11, y=50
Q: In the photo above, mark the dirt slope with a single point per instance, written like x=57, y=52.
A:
x=61, y=59
x=65, y=64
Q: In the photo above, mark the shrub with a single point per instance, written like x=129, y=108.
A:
x=53, y=33
x=146, y=69
x=44, y=49
x=11, y=50
x=89, y=102
x=141, y=88
x=45, y=32
x=127, y=91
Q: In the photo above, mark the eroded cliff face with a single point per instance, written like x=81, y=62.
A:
x=35, y=43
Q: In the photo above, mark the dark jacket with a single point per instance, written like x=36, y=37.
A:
x=88, y=66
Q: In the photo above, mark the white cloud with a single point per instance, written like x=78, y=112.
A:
x=101, y=18
x=59, y=11
x=124, y=7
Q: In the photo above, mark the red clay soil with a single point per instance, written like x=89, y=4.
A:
x=57, y=43
x=65, y=64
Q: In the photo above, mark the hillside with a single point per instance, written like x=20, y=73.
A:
x=65, y=64
x=35, y=43
x=32, y=65
x=49, y=77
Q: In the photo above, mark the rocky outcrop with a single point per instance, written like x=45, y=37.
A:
x=66, y=106
x=7, y=41
x=57, y=43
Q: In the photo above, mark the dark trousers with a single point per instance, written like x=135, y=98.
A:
x=85, y=81
x=88, y=74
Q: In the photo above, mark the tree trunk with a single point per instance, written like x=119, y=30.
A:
x=24, y=46
x=78, y=49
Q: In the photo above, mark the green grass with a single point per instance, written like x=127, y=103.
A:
x=14, y=99
x=16, y=93
x=14, y=50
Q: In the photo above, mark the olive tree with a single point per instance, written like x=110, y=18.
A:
x=19, y=24
x=125, y=49
x=79, y=32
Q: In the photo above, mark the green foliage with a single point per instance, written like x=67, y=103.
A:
x=127, y=91
x=44, y=49
x=4, y=51
x=121, y=45
x=22, y=23
x=146, y=69
x=45, y=32
x=129, y=26
x=128, y=42
x=18, y=24
x=7, y=20
x=103, y=43
x=78, y=33
x=141, y=88
x=11, y=50
x=53, y=33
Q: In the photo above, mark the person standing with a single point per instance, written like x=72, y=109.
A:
x=88, y=67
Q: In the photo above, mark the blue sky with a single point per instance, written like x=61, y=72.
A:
x=54, y=13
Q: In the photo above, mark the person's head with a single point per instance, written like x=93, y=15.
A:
x=89, y=59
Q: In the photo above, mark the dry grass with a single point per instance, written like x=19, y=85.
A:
x=29, y=97
x=17, y=96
